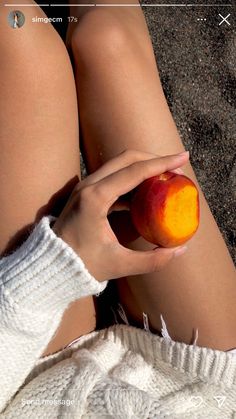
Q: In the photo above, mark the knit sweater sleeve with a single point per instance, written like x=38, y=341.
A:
x=37, y=283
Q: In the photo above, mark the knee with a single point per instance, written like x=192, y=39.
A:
x=34, y=45
x=99, y=34
x=35, y=57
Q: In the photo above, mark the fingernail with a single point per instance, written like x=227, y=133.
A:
x=180, y=251
x=179, y=171
x=184, y=153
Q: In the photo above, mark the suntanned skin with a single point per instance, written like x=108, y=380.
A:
x=39, y=141
x=122, y=106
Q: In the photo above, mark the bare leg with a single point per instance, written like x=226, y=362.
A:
x=122, y=106
x=39, y=149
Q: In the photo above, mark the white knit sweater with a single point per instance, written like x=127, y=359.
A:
x=119, y=372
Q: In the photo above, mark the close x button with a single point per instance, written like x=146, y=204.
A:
x=224, y=20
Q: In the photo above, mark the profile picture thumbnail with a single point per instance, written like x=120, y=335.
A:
x=16, y=19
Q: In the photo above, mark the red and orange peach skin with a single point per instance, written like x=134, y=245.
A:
x=165, y=209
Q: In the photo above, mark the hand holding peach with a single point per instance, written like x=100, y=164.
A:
x=84, y=225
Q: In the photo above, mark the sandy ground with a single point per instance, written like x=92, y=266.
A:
x=197, y=64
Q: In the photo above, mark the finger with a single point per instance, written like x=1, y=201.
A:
x=143, y=262
x=122, y=160
x=124, y=204
x=119, y=183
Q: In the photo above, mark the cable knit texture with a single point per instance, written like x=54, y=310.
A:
x=120, y=372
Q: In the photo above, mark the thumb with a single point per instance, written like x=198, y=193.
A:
x=142, y=262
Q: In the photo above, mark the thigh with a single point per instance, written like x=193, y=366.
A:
x=123, y=106
x=39, y=141
x=39, y=148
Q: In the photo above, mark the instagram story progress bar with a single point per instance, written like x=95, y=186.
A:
x=121, y=5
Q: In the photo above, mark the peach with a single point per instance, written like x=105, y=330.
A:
x=165, y=209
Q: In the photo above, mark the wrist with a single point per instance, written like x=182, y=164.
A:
x=64, y=234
